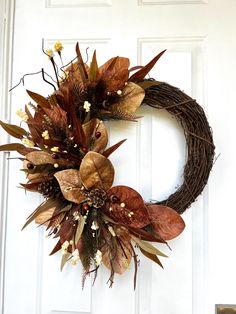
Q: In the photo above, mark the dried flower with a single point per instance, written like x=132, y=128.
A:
x=50, y=53
x=64, y=247
x=75, y=257
x=110, y=228
x=87, y=106
x=58, y=46
x=94, y=225
x=55, y=149
x=45, y=135
x=24, y=117
x=28, y=142
x=98, y=258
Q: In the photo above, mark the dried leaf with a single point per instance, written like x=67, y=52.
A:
x=81, y=65
x=140, y=75
x=96, y=171
x=56, y=248
x=64, y=259
x=166, y=222
x=129, y=209
x=152, y=257
x=44, y=217
x=116, y=253
x=131, y=99
x=148, y=83
x=90, y=129
x=70, y=184
x=46, y=205
x=111, y=149
x=57, y=116
x=11, y=147
x=79, y=230
x=13, y=130
x=113, y=74
x=148, y=247
x=93, y=72
x=39, y=99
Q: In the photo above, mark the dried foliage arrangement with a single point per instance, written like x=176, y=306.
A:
x=66, y=159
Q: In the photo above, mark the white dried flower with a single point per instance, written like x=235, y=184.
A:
x=45, y=135
x=94, y=225
x=111, y=231
x=24, y=117
x=27, y=142
x=98, y=258
x=75, y=257
x=64, y=247
x=87, y=106
x=55, y=149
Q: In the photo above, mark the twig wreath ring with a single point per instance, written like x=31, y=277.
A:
x=66, y=159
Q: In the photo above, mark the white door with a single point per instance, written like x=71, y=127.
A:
x=199, y=36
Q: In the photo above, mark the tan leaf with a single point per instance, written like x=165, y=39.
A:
x=132, y=97
x=70, y=184
x=128, y=208
x=79, y=229
x=44, y=216
x=91, y=128
x=96, y=171
x=166, y=222
x=148, y=247
x=116, y=253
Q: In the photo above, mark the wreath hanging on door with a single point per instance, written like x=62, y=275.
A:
x=66, y=159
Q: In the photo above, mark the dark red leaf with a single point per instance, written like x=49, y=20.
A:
x=111, y=149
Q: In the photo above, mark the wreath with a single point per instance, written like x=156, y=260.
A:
x=66, y=159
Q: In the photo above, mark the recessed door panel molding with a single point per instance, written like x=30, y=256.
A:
x=170, y=2
x=182, y=65
x=77, y=3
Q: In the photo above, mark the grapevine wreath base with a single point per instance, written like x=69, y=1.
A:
x=66, y=159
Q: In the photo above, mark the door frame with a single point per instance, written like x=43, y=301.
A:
x=7, y=9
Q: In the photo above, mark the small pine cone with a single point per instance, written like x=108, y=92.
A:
x=50, y=189
x=96, y=198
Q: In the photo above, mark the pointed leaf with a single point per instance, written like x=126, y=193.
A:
x=148, y=247
x=96, y=171
x=140, y=75
x=13, y=130
x=91, y=128
x=111, y=149
x=70, y=184
x=44, y=217
x=128, y=209
x=166, y=222
x=152, y=257
x=39, y=99
x=56, y=248
x=81, y=65
x=93, y=72
x=11, y=147
x=79, y=230
x=148, y=83
x=64, y=259
x=132, y=97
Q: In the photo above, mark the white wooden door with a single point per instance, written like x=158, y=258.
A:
x=199, y=36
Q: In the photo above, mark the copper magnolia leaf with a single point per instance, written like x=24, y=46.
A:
x=116, y=253
x=132, y=97
x=148, y=247
x=13, y=130
x=91, y=129
x=96, y=171
x=166, y=222
x=44, y=217
x=39, y=99
x=70, y=184
x=126, y=207
x=114, y=73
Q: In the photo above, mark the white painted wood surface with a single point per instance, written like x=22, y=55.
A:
x=200, y=38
